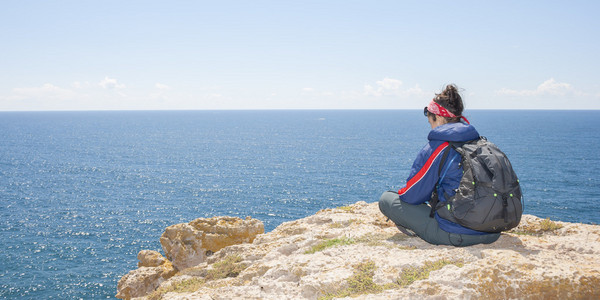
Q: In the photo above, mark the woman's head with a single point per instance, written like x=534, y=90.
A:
x=446, y=107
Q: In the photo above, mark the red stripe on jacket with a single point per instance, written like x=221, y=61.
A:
x=411, y=182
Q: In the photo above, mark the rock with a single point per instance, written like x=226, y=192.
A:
x=221, y=232
x=187, y=245
x=182, y=245
x=153, y=270
x=149, y=258
x=354, y=252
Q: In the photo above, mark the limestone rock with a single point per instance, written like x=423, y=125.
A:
x=187, y=245
x=353, y=251
x=149, y=258
x=221, y=232
x=182, y=244
x=283, y=264
x=153, y=270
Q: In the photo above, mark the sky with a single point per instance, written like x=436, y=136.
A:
x=191, y=55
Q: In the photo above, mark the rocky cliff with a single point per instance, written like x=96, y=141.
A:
x=354, y=252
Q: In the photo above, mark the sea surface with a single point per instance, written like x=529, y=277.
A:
x=81, y=193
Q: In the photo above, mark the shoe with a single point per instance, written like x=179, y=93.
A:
x=406, y=230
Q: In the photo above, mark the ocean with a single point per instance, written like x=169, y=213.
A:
x=81, y=193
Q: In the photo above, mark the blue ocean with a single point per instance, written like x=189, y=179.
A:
x=81, y=193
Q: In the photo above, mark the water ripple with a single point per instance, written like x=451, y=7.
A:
x=82, y=193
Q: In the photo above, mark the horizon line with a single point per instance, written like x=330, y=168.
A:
x=291, y=109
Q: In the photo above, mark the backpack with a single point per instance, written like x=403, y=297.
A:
x=489, y=196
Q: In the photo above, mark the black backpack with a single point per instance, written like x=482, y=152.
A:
x=489, y=196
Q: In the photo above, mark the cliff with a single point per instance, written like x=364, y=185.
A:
x=353, y=251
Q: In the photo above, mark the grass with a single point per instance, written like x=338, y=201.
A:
x=369, y=239
x=346, y=208
x=524, y=232
x=185, y=286
x=412, y=274
x=545, y=225
x=330, y=243
x=360, y=283
x=230, y=266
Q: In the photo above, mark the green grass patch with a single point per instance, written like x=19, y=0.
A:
x=547, y=225
x=524, y=232
x=360, y=283
x=330, y=243
x=371, y=239
x=537, y=229
x=185, y=286
x=230, y=266
x=346, y=208
x=412, y=274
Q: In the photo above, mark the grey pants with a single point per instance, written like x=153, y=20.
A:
x=416, y=218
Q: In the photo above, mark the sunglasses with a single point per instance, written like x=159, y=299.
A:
x=425, y=111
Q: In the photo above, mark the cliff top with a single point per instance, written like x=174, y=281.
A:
x=353, y=251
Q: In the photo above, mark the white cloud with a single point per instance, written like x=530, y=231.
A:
x=549, y=87
x=307, y=89
x=391, y=87
x=161, y=86
x=390, y=84
x=110, y=83
x=46, y=91
x=80, y=85
x=552, y=87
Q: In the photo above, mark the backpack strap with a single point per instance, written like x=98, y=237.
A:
x=434, y=195
x=444, y=157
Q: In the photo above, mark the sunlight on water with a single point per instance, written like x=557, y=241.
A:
x=83, y=192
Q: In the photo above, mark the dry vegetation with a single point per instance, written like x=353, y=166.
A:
x=230, y=266
x=361, y=282
x=537, y=228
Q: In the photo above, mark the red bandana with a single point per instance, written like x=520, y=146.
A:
x=439, y=110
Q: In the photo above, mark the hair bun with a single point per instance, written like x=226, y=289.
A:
x=451, y=100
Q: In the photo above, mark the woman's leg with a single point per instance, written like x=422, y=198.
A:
x=413, y=217
x=416, y=218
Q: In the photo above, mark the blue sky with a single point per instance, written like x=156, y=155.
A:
x=105, y=55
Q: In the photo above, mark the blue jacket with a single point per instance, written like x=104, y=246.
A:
x=424, y=173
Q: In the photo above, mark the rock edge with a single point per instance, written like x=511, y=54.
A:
x=318, y=256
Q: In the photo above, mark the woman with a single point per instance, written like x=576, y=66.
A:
x=407, y=207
